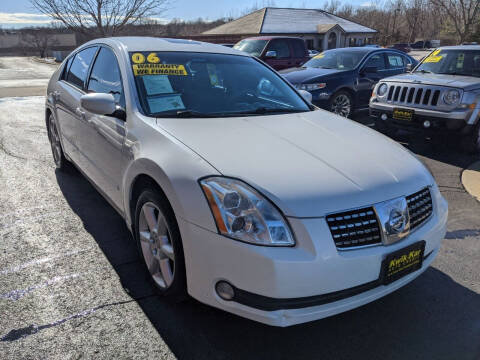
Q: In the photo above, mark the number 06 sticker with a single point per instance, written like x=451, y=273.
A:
x=139, y=58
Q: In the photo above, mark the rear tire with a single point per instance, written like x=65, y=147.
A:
x=341, y=103
x=160, y=245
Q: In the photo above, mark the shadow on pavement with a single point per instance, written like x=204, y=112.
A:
x=432, y=318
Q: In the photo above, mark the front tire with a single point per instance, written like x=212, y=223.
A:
x=470, y=144
x=160, y=244
x=59, y=158
x=341, y=103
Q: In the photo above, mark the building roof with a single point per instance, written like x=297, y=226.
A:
x=271, y=20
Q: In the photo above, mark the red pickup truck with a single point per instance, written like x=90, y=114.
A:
x=279, y=52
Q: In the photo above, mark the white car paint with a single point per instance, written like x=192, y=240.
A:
x=308, y=164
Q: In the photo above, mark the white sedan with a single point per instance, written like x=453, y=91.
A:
x=238, y=191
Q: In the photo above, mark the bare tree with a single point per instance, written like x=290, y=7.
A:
x=463, y=14
x=108, y=17
x=41, y=40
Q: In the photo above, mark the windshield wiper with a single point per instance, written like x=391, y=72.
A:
x=424, y=71
x=187, y=114
x=264, y=110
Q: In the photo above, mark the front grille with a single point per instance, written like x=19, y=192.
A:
x=420, y=207
x=406, y=94
x=354, y=228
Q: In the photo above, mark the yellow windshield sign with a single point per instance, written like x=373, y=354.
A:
x=434, y=57
x=159, y=69
x=319, y=56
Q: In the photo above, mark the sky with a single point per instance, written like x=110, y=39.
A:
x=20, y=13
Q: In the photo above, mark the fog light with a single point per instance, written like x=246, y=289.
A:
x=426, y=124
x=384, y=117
x=225, y=290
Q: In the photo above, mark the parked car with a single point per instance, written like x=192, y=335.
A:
x=421, y=44
x=277, y=51
x=313, y=53
x=440, y=96
x=237, y=190
x=341, y=80
x=402, y=47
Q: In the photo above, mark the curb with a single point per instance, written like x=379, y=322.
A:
x=471, y=179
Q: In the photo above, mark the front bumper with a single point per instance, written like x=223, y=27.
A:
x=313, y=268
x=461, y=121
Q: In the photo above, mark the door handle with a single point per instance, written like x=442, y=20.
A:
x=80, y=113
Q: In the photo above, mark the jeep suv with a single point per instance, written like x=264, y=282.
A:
x=442, y=94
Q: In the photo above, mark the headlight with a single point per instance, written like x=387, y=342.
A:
x=382, y=89
x=451, y=97
x=241, y=213
x=311, y=87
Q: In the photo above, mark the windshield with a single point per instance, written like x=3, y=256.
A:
x=452, y=62
x=252, y=47
x=208, y=85
x=334, y=59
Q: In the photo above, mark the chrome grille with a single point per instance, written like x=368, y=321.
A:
x=420, y=207
x=354, y=228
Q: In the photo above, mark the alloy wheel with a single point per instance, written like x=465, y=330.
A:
x=156, y=244
x=341, y=105
x=55, y=143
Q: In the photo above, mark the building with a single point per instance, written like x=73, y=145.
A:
x=320, y=29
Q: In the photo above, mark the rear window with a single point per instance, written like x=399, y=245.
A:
x=78, y=71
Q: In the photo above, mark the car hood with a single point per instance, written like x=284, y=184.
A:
x=304, y=74
x=309, y=164
x=458, y=81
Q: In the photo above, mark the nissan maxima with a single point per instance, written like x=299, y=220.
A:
x=237, y=190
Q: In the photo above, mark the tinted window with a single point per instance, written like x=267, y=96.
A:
x=79, y=69
x=452, y=61
x=298, y=48
x=377, y=60
x=281, y=47
x=105, y=76
x=253, y=47
x=395, y=61
x=67, y=66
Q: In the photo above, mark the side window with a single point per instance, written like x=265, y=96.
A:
x=377, y=60
x=298, y=48
x=79, y=68
x=395, y=61
x=105, y=76
x=281, y=47
x=66, y=68
x=406, y=61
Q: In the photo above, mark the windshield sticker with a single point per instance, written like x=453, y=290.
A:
x=433, y=57
x=460, y=59
x=319, y=56
x=157, y=84
x=138, y=58
x=159, y=69
x=165, y=103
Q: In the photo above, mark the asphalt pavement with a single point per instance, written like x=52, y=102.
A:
x=71, y=284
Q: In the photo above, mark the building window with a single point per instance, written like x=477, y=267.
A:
x=332, y=40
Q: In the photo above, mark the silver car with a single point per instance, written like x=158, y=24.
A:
x=237, y=190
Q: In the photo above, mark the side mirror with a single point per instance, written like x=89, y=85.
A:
x=271, y=54
x=408, y=68
x=306, y=95
x=99, y=103
x=369, y=69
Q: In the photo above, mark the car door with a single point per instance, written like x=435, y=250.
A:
x=367, y=79
x=67, y=103
x=299, y=52
x=106, y=133
x=283, y=60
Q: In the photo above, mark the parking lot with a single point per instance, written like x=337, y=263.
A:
x=71, y=284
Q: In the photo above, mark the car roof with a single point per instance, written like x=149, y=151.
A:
x=461, y=47
x=272, y=37
x=144, y=43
